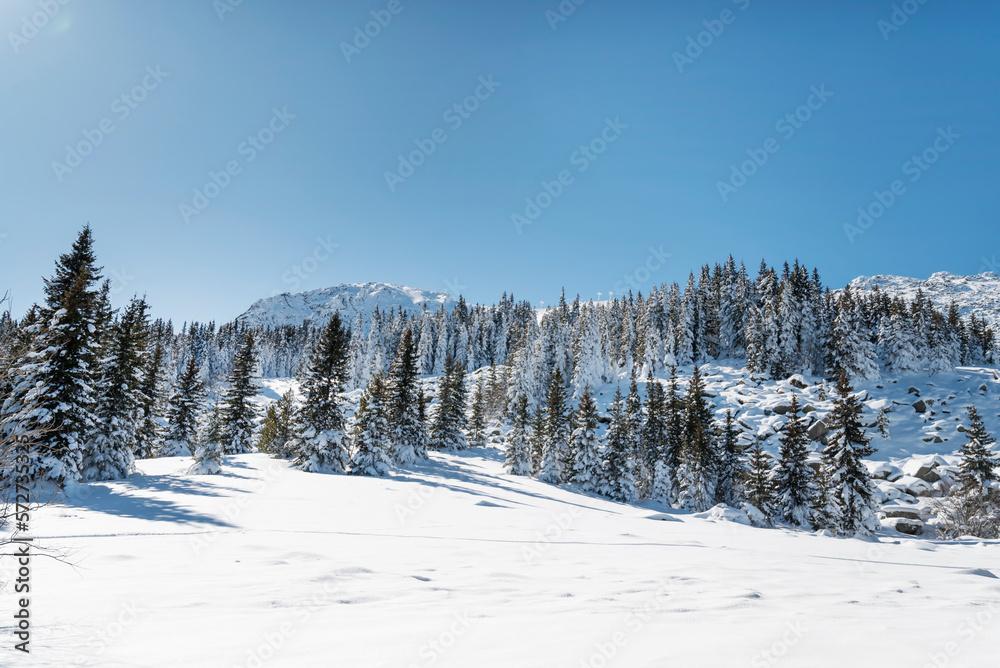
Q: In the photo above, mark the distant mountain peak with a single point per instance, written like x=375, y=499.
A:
x=977, y=295
x=349, y=299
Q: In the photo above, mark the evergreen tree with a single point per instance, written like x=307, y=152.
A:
x=759, y=490
x=109, y=454
x=447, y=432
x=793, y=478
x=698, y=467
x=618, y=479
x=517, y=459
x=556, y=458
x=586, y=446
x=849, y=479
x=318, y=441
x=238, y=412
x=149, y=431
x=209, y=450
x=407, y=433
x=183, y=411
x=539, y=438
x=652, y=437
x=276, y=431
x=371, y=432
x=823, y=507
x=732, y=470
x=477, y=419
x=978, y=463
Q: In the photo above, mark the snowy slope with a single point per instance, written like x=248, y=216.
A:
x=979, y=295
x=456, y=564
x=350, y=299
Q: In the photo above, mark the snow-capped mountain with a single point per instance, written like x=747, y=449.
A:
x=975, y=295
x=316, y=306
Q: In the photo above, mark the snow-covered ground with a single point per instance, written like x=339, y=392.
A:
x=457, y=564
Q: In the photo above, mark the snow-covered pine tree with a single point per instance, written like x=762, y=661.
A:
x=556, y=458
x=652, y=437
x=209, y=448
x=794, y=489
x=318, y=440
x=517, y=459
x=276, y=431
x=586, y=446
x=109, y=453
x=183, y=410
x=634, y=419
x=53, y=396
x=408, y=434
x=851, y=350
x=238, y=412
x=847, y=444
x=698, y=467
x=673, y=407
x=758, y=481
x=149, y=432
x=447, y=431
x=371, y=432
x=618, y=479
x=538, y=438
x=732, y=468
x=477, y=417
x=978, y=463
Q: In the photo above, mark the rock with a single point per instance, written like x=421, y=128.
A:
x=938, y=439
x=913, y=390
x=815, y=464
x=920, y=405
x=798, y=381
x=781, y=409
x=913, y=486
x=983, y=388
x=808, y=408
x=818, y=430
x=896, y=510
x=960, y=427
x=907, y=526
x=883, y=471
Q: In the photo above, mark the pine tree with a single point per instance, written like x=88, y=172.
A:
x=447, y=431
x=109, y=453
x=586, y=446
x=849, y=479
x=823, y=507
x=477, y=419
x=238, y=412
x=318, y=440
x=759, y=489
x=53, y=397
x=538, y=439
x=276, y=431
x=793, y=478
x=371, y=432
x=209, y=449
x=407, y=433
x=517, y=459
x=618, y=478
x=556, y=461
x=185, y=404
x=652, y=437
x=149, y=432
x=978, y=463
x=732, y=469
x=698, y=467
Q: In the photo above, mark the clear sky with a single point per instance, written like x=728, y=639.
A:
x=309, y=128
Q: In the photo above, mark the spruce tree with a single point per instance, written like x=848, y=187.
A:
x=673, y=406
x=586, y=446
x=318, y=440
x=408, y=434
x=978, y=463
x=237, y=411
x=758, y=483
x=652, y=438
x=447, y=430
x=183, y=410
x=277, y=429
x=732, y=468
x=371, y=432
x=849, y=479
x=517, y=459
x=698, y=467
x=209, y=449
x=538, y=439
x=793, y=478
x=556, y=462
x=149, y=432
x=618, y=477
x=477, y=418
x=110, y=452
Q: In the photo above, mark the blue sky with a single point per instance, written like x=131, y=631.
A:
x=639, y=137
